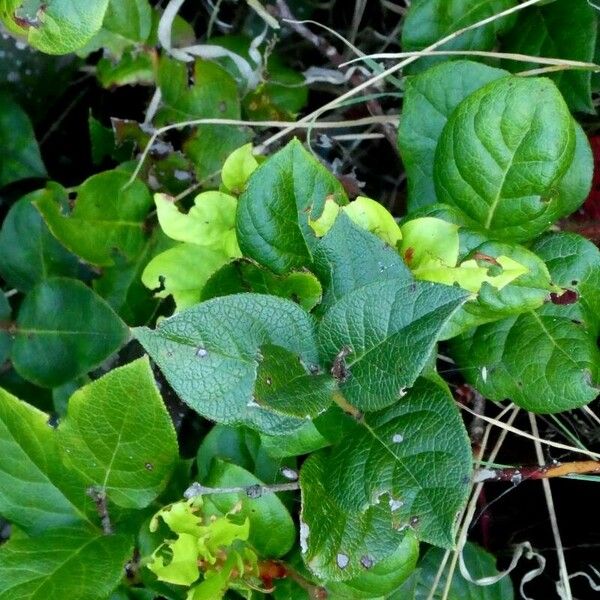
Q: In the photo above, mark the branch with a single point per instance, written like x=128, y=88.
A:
x=518, y=474
x=337, y=60
x=252, y=491
x=98, y=495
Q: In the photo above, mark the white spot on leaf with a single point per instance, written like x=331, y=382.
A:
x=342, y=560
x=304, y=531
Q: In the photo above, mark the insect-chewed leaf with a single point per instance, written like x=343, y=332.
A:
x=407, y=466
x=386, y=331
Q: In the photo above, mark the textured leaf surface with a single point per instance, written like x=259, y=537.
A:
x=29, y=253
x=210, y=354
x=55, y=26
x=340, y=273
x=501, y=157
x=544, y=364
x=382, y=579
x=107, y=218
x=64, y=563
x=429, y=100
x=283, y=194
x=284, y=385
x=63, y=330
x=428, y=21
x=36, y=492
x=565, y=29
x=408, y=467
x=111, y=431
x=20, y=152
x=574, y=264
x=388, y=329
x=272, y=531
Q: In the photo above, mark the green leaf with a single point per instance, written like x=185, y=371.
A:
x=428, y=21
x=110, y=435
x=283, y=194
x=272, y=531
x=428, y=242
x=63, y=330
x=305, y=440
x=210, y=222
x=103, y=143
x=574, y=264
x=516, y=281
x=54, y=26
x=5, y=338
x=242, y=275
x=382, y=579
x=479, y=564
x=372, y=216
x=37, y=493
x=64, y=563
x=122, y=287
x=429, y=100
x=243, y=447
x=238, y=168
x=131, y=20
x=407, y=467
x=107, y=218
x=210, y=145
x=182, y=272
x=133, y=68
x=213, y=93
x=565, y=29
x=21, y=157
x=30, y=253
x=575, y=186
x=286, y=386
x=388, y=328
x=505, y=175
x=339, y=271
x=542, y=363
x=210, y=354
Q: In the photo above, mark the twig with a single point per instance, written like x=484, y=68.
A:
x=542, y=471
x=252, y=491
x=564, y=573
x=365, y=121
x=541, y=60
x=337, y=60
x=98, y=495
x=469, y=512
x=524, y=434
x=393, y=69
